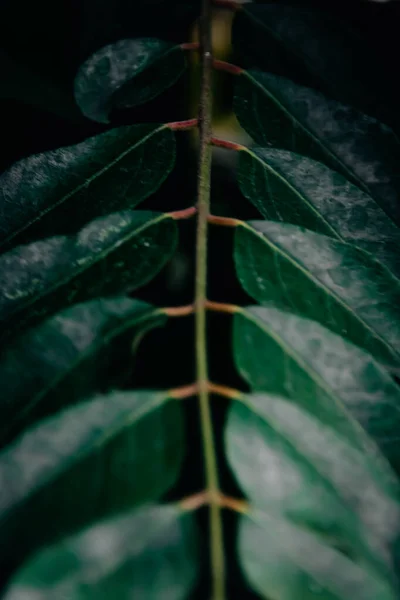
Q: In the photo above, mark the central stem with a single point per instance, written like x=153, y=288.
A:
x=203, y=207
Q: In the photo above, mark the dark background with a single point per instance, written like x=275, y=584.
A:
x=42, y=45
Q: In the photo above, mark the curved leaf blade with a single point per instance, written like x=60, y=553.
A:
x=125, y=74
x=285, y=186
x=278, y=112
x=334, y=283
x=62, y=190
x=283, y=560
x=80, y=351
x=285, y=459
x=321, y=372
x=109, y=454
x=110, y=255
x=151, y=552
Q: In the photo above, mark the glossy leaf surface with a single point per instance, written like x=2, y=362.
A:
x=278, y=112
x=286, y=355
x=126, y=74
x=287, y=460
x=62, y=190
x=318, y=277
x=285, y=186
x=149, y=553
x=68, y=357
x=110, y=255
x=105, y=455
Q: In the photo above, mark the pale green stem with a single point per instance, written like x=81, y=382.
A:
x=203, y=206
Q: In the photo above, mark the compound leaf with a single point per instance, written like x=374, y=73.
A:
x=286, y=355
x=62, y=190
x=110, y=255
x=79, y=351
x=150, y=553
x=285, y=186
x=332, y=282
x=277, y=112
x=125, y=74
x=105, y=455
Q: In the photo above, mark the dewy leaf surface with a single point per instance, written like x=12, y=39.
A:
x=287, y=460
x=285, y=186
x=150, y=553
x=284, y=561
x=278, y=112
x=326, y=376
x=329, y=281
x=126, y=74
x=68, y=357
x=108, y=454
x=312, y=46
x=109, y=256
x=62, y=190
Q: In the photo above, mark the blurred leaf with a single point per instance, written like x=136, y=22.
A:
x=284, y=561
x=110, y=255
x=332, y=282
x=108, y=454
x=291, y=188
x=126, y=74
x=326, y=376
x=68, y=357
x=62, y=190
x=277, y=112
x=302, y=472
x=150, y=553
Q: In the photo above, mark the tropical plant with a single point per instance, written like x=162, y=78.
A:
x=115, y=486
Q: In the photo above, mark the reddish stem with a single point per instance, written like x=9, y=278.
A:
x=227, y=144
x=186, y=213
x=182, y=125
x=190, y=46
x=224, y=221
x=222, y=65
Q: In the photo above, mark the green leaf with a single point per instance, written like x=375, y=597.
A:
x=109, y=454
x=150, y=553
x=284, y=561
x=288, y=187
x=332, y=282
x=303, y=472
x=62, y=190
x=314, y=47
x=68, y=357
x=277, y=112
x=109, y=256
x=126, y=74
x=329, y=378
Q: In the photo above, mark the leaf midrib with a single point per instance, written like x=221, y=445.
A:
x=325, y=149
x=315, y=280
x=319, y=381
x=79, y=359
x=80, y=187
x=116, y=428
x=288, y=184
x=60, y=282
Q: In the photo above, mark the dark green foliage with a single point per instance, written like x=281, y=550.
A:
x=101, y=467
